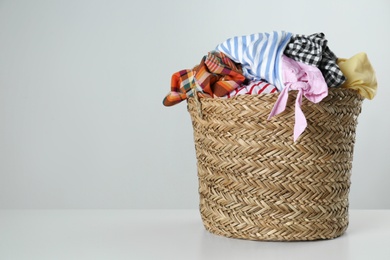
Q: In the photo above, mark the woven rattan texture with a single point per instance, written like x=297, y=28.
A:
x=256, y=183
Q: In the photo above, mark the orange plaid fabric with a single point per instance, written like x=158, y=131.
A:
x=182, y=87
x=216, y=75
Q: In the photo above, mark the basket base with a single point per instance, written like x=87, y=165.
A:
x=281, y=231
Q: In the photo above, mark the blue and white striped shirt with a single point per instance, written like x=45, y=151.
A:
x=259, y=54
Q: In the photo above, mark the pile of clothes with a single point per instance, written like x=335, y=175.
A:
x=274, y=62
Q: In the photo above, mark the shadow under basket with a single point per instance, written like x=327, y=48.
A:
x=256, y=183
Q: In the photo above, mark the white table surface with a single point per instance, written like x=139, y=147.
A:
x=170, y=234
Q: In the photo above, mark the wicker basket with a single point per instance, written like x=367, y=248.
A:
x=256, y=183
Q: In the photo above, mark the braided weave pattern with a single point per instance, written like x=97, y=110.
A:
x=255, y=183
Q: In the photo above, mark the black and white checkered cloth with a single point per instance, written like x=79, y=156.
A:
x=313, y=50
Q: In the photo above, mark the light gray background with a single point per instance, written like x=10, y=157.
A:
x=81, y=85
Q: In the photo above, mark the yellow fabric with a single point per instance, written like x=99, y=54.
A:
x=360, y=75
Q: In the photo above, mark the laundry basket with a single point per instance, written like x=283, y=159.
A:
x=256, y=183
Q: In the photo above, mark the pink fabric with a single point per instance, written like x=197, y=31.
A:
x=308, y=81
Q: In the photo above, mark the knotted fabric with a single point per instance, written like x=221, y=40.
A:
x=308, y=81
